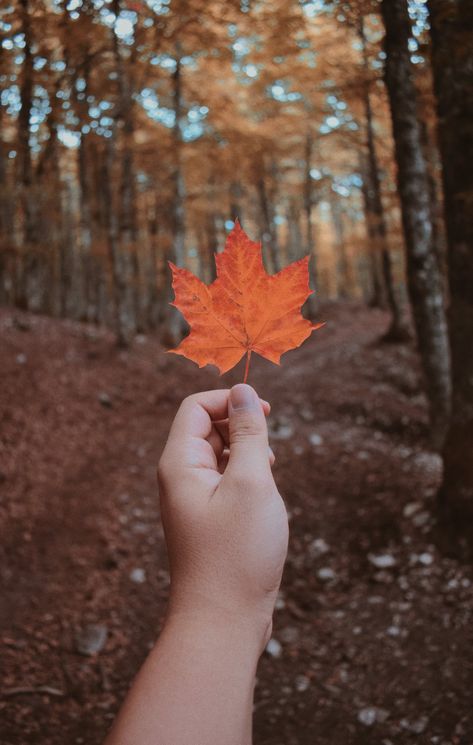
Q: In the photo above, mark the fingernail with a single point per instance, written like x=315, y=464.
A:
x=242, y=396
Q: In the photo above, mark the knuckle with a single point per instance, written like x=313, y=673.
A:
x=246, y=427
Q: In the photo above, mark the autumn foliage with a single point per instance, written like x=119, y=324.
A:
x=245, y=309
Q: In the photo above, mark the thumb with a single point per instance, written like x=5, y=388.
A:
x=248, y=433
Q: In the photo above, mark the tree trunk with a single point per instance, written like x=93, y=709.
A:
x=127, y=227
x=236, y=209
x=308, y=205
x=87, y=300
x=424, y=280
x=52, y=231
x=85, y=230
x=375, y=209
x=452, y=58
x=25, y=166
x=120, y=320
x=377, y=295
x=7, y=238
x=155, y=295
x=431, y=155
x=270, y=242
x=295, y=245
x=343, y=272
x=175, y=324
x=211, y=246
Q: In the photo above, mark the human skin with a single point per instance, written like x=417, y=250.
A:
x=226, y=533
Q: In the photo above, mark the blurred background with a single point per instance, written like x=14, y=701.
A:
x=137, y=132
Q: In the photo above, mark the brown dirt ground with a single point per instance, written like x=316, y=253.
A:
x=368, y=655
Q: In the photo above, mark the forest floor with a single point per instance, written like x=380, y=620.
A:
x=372, y=640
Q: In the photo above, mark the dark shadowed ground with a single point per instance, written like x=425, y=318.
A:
x=372, y=641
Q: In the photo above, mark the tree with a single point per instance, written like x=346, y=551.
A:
x=134, y=132
x=374, y=203
x=423, y=273
x=452, y=60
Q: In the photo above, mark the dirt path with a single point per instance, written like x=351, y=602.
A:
x=373, y=634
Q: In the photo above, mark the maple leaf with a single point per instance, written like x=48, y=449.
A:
x=245, y=309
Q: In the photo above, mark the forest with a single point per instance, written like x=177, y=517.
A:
x=137, y=132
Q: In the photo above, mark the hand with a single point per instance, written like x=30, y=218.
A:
x=226, y=530
x=224, y=520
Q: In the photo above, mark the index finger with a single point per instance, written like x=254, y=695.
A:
x=197, y=412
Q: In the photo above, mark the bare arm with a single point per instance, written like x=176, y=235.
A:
x=226, y=532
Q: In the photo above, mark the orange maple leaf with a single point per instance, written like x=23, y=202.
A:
x=244, y=310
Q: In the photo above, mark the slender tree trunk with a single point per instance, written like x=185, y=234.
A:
x=120, y=320
x=65, y=247
x=85, y=229
x=397, y=331
x=211, y=246
x=264, y=220
x=128, y=221
x=7, y=245
x=275, y=247
x=343, y=269
x=375, y=208
x=50, y=226
x=179, y=184
x=452, y=58
x=270, y=241
x=88, y=301
x=295, y=244
x=308, y=206
x=424, y=280
x=25, y=166
x=377, y=297
x=439, y=238
x=175, y=324
x=85, y=300
x=128, y=232
x=155, y=295
x=95, y=286
x=236, y=209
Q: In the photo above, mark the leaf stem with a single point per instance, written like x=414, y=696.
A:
x=248, y=357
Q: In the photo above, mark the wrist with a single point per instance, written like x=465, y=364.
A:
x=248, y=630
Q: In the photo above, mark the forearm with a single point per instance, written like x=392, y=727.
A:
x=196, y=686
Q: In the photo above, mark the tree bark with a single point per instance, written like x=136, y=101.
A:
x=375, y=209
x=120, y=320
x=270, y=241
x=377, y=295
x=179, y=184
x=175, y=324
x=236, y=209
x=127, y=224
x=308, y=205
x=343, y=270
x=87, y=300
x=452, y=60
x=26, y=259
x=294, y=246
x=54, y=226
x=154, y=304
x=431, y=155
x=423, y=275
x=7, y=238
x=209, y=248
